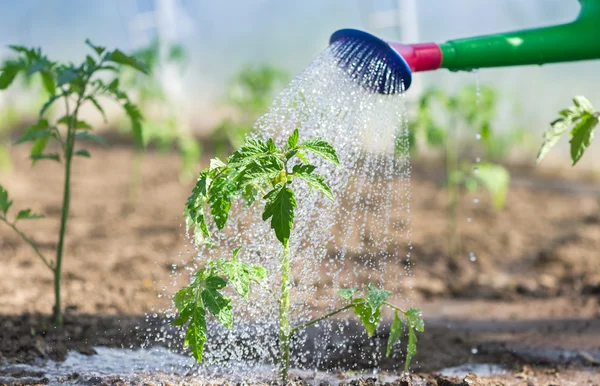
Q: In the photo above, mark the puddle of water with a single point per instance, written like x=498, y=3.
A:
x=480, y=369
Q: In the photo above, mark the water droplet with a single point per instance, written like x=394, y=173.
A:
x=476, y=200
x=478, y=160
x=474, y=351
x=478, y=136
x=472, y=257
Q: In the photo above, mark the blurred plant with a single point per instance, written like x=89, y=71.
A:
x=581, y=120
x=166, y=129
x=249, y=94
x=75, y=86
x=474, y=109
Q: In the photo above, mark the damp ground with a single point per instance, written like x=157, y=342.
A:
x=529, y=303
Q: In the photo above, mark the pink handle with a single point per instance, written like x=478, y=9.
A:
x=420, y=57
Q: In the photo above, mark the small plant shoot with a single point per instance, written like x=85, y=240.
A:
x=56, y=140
x=581, y=120
x=260, y=171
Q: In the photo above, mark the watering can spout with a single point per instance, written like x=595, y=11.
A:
x=574, y=41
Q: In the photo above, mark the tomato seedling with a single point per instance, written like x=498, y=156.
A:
x=260, y=170
x=75, y=86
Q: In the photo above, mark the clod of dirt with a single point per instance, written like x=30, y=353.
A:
x=469, y=380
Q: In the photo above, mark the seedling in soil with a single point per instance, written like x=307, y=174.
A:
x=581, y=120
x=75, y=86
x=260, y=170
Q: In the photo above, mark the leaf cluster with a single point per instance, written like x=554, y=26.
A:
x=581, y=120
x=77, y=84
x=494, y=178
x=6, y=204
x=204, y=296
x=258, y=169
x=369, y=308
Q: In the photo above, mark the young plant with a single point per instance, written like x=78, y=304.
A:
x=581, y=120
x=260, y=170
x=75, y=86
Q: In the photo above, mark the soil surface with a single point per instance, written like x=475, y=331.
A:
x=530, y=301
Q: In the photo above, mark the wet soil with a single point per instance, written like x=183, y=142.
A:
x=530, y=299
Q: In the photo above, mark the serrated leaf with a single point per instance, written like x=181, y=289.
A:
x=395, y=333
x=195, y=335
x=215, y=282
x=259, y=170
x=582, y=135
x=99, y=49
x=219, y=306
x=219, y=199
x=9, y=73
x=87, y=136
x=66, y=75
x=279, y=207
x=583, y=104
x=83, y=153
x=293, y=139
x=552, y=135
x=321, y=148
x=119, y=57
x=135, y=117
x=414, y=318
x=49, y=82
x=26, y=214
x=347, y=293
x=5, y=203
x=376, y=297
x=183, y=317
x=369, y=318
x=301, y=157
x=37, y=157
x=316, y=181
x=414, y=322
x=248, y=152
x=98, y=106
x=48, y=103
x=271, y=145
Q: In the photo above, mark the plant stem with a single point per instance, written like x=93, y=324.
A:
x=284, y=315
x=64, y=213
x=29, y=242
x=321, y=318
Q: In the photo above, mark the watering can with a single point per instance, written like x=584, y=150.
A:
x=577, y=40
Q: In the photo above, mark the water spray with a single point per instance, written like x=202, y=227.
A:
x=574, y=41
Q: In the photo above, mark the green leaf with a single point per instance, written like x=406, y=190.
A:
x=215, y=282
x=582, y=135
x=376, y=297
x=395, y=333
x=219, y=199
x=552, y=135
x=118, y=56
x=49, y=82
x=48, y=103
x=321, y=148
x=36, y=134
x=216, y=163
x=219, y=306
x=99, y=49
x=26, y=214
x=135, y=118
x=259, y=170
x=83, y=153
x=305, y=172
x=37, y=157
x=66, y=120
x=5, y=203
x=86, y=135
x=249, y=151
x=369, y=317
x=9, y=73
x=293, y=139
x=496, y=180
x=183, y=317
x=347, y=293
x=66, y=75
x=414, y=322
x=279, y=207
x=37, y=66
x=259, y=273
x=98, y=106
x=583, y=104
x=195, y=336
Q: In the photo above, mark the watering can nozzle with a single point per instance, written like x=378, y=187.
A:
x=387, y=67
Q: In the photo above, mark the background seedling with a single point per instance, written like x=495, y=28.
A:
x=260, y=170
x=74, y=86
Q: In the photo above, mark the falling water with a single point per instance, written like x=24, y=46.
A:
x=343, y=244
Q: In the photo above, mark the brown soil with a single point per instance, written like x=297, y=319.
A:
x=535, y=283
